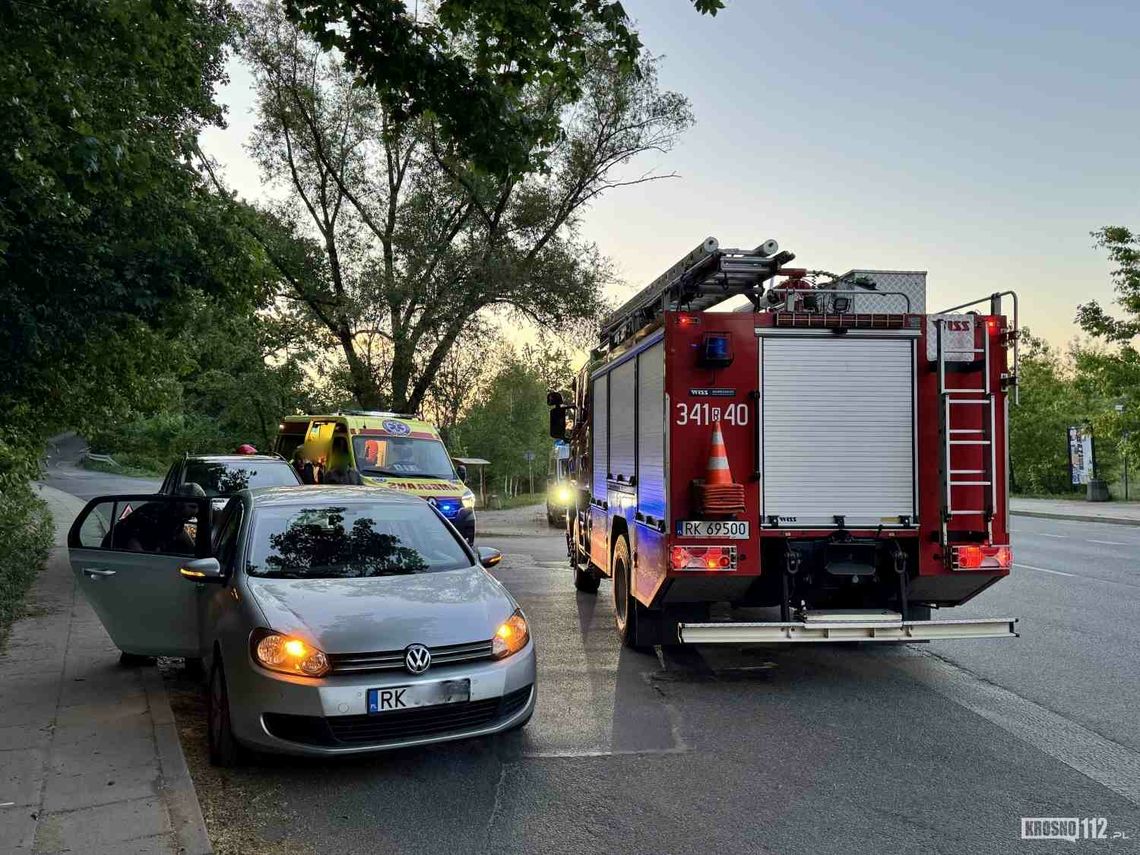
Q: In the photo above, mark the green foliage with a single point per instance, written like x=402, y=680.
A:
x=25, y=526
x=510, y=418
x=1039, y=453
x=467, y=63
x=396, y=245
x=1123, y=247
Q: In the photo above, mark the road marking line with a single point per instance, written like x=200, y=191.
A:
x=1108, y=542
x=1108, y=763
x=6, y=804
x=1044, y=570
x=1058, y=536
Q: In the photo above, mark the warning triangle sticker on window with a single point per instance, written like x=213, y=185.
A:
x=126, y=513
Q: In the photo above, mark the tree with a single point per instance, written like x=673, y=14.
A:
x=467, y=63
x=103, y=223
x=396, y=244
x=510, y=418
x=1123, y=247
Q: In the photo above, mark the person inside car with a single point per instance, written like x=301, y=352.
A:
x=340, y=469
x=160, y=526
x=303, y=464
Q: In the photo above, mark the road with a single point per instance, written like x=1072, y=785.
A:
x=921, y=748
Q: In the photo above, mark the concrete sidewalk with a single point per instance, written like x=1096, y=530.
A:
x=1118, y=513
x=90, y=760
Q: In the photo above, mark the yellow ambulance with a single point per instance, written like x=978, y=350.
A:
x=392, y=450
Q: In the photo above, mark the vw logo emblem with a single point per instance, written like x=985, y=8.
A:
x=417, y=658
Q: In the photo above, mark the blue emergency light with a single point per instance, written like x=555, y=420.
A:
x=716, y=350
x=448, y=507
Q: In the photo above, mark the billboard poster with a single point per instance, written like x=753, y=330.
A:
x=1080, y=455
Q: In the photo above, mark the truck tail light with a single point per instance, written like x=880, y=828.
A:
x=978, y=557
x=703, y=558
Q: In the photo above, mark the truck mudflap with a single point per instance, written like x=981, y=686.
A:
x=844, y=625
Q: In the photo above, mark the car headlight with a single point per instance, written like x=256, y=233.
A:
x=468, y=499
x=511, y=636
x=288, y=655
x=563, y=495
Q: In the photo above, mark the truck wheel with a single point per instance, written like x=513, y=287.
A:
x=628, y=612
x=585, y=579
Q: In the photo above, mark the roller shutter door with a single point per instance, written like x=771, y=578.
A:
x=651, y=431
x=622, y=407
x=838, y=430
x=599, y=429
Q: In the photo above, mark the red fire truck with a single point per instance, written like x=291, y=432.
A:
x=827, y=448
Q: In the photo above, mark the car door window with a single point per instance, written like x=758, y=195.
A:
x=225, y=545
x=159, y=525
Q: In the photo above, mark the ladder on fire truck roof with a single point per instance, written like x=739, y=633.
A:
x=701, y=279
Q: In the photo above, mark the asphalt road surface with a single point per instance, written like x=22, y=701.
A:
x=938, y=748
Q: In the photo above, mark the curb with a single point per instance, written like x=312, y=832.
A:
x=1046, y=515
x=177, y=787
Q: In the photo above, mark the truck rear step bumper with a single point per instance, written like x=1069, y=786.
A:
x=878, y=627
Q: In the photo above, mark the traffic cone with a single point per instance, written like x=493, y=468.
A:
x=718, y=473
x=719, y=495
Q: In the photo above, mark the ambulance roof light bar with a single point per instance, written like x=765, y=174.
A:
x=702, y=278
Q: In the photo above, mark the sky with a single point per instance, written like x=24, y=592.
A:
x=981, y=142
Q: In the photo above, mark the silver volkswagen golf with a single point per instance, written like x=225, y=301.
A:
x=328, y=620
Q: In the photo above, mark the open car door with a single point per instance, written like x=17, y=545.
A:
x=126, y=552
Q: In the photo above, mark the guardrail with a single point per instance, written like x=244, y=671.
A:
x=100, y=458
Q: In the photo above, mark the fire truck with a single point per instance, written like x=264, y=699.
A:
x=753, y=434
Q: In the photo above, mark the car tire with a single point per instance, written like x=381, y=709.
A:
x=585, y=579
x=628, y=612
x=224, y=749
x=134, y=660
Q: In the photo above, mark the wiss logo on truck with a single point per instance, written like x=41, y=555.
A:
x=829, y=448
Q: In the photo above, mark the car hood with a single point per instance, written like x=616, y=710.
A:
x=388, y=612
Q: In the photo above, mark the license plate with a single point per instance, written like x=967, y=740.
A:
x=395, y=698
x=731, y=529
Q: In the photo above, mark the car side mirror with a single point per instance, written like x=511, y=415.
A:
x=558, y=423
x=461, y=471
x=489, y=557
x=202, y=570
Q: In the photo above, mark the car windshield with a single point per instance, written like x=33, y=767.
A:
x=351, y=540
x=402, y=455
x=220, y=479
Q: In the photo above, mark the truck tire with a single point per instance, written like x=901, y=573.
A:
x=629, y=614
x=585, y=579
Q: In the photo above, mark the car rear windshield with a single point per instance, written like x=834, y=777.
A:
x=224, y=479
x=395, y=456
x=318, y=541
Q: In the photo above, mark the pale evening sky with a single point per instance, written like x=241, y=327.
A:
x=979, y=141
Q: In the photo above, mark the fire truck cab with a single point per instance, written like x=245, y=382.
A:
x=828, y=449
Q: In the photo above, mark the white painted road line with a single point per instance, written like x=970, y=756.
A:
x=1104, y=761
x=1058, y=536
x=1044, y=570
x=1108, y=542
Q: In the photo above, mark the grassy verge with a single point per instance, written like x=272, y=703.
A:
x=26, y=534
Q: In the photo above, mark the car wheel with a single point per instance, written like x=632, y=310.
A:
x=585, y=579
x=628, y=612
x=134, y=660
x=224, y=749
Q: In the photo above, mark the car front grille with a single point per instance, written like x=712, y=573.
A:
x=356, y=730
x=393, y=660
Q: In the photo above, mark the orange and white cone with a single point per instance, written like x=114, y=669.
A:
x=718, y=471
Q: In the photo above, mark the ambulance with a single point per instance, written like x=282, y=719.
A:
x=393, y=450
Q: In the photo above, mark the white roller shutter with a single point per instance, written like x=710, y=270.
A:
x=600, y=432
x=838, y=429
x=651, y=431
x=622, y=439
